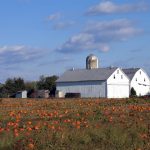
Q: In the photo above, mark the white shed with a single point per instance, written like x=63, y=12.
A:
x=21, y=94
x=99, y=82
x=139, y=80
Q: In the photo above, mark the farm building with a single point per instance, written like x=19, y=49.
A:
x=42, y=93
x=39, y=94
x=139, y=80
x=21, y=94
x=108, y=82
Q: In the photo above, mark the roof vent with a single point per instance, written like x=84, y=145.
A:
x=111, y=67
x=72, y=69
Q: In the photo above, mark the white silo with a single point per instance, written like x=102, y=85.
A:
x=91, y=62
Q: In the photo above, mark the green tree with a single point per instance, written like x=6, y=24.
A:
x=47, y=83
x=30, y=85
x=41, y=83
x=3, y=93
x=13, y=85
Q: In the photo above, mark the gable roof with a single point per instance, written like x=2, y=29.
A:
x=130, y=72
x=99, y=74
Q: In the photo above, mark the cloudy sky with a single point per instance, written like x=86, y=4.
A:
x=47, y=37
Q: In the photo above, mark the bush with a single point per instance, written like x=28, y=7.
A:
x=133, y=92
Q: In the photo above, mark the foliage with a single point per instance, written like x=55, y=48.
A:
x=75, y=124
x=3, y=92
x=30, y=85
x=133, y=92
x=11, y=86
x=47, y=83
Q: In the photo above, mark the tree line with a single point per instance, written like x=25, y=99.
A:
x=13, y=85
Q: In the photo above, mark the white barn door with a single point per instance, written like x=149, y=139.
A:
x=117, y=91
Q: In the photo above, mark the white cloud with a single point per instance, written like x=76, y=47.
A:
x=10, y=55
x=81, y=42
x=21, y=60
x=108, y=7
x=15, y=48
x=53, y=17
x=100, y=35
x=63, y=25
x=108, y=31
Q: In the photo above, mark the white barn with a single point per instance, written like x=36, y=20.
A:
x=97, y=82
x=111, y=82
x=139, y=80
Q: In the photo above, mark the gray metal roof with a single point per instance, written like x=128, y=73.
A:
x=130, y=72
x=98, y=74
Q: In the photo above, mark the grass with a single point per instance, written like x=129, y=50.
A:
x=98, y=124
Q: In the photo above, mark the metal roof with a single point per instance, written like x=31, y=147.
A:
x=130, y=72
x=99, y=74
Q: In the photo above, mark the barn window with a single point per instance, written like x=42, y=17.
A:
x=121, y=76
x=114, y=77
x=144, y=80
x=136, y=79
x=117, y=71
x=140, y=72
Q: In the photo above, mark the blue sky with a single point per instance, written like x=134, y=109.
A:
x=47, y=37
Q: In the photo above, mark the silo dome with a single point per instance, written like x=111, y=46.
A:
x=91, y=62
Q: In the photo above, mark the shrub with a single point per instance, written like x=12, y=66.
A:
x=133, y=92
